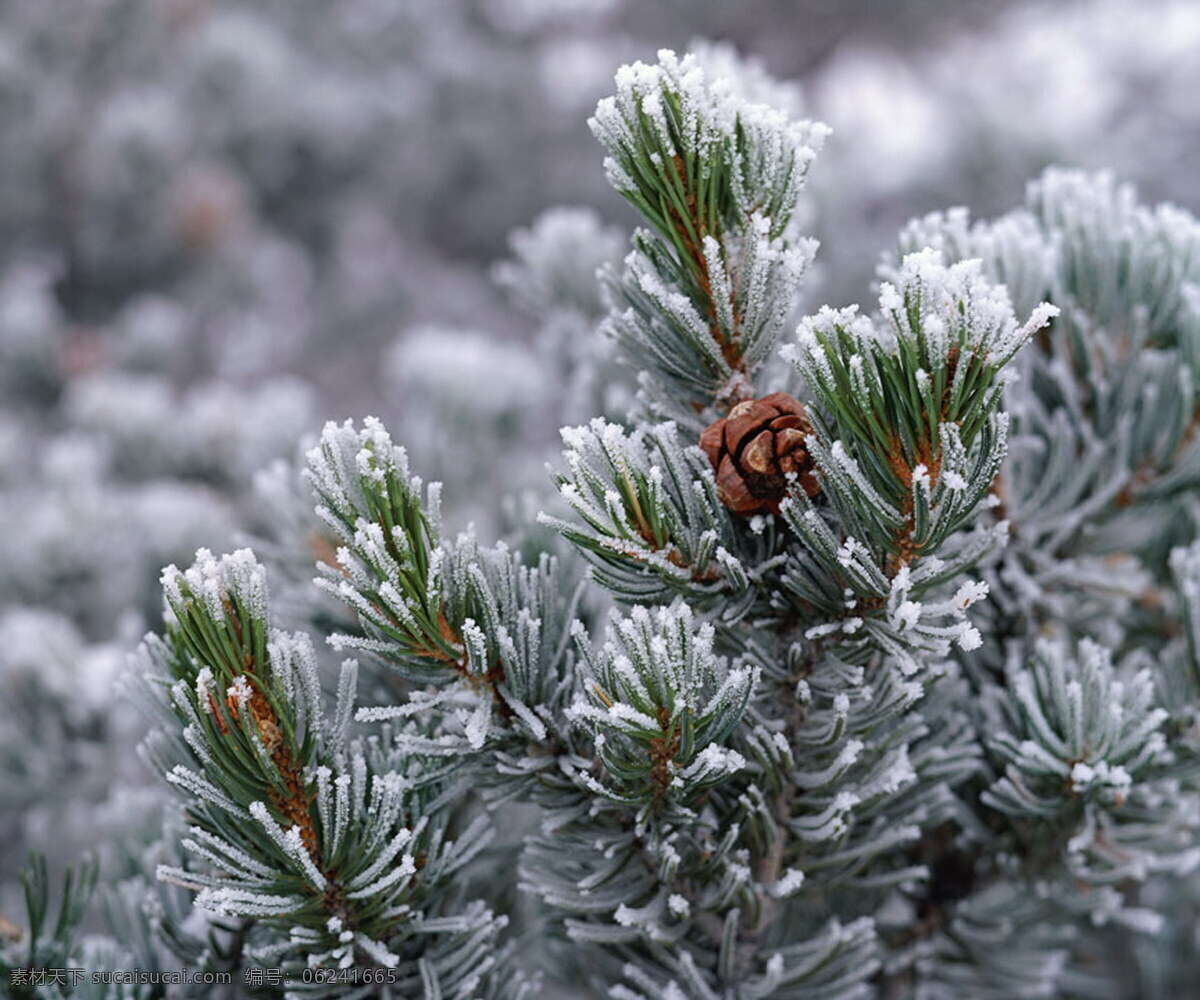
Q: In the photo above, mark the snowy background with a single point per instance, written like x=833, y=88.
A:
x=222, y=223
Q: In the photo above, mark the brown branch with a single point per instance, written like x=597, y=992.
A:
x=928, y=454
x=695, y=253
x=662, y=751
x=1144, y=473
x=294, y=803
x=491, y=679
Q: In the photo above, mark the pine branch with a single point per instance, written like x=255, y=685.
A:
x=390, y=569
x=661, y=708
x=1106, y=405
x=913, y=408
x=652, y=524
x=49, y=943
x=717, y=178
x=440, y=613
x=335, y=845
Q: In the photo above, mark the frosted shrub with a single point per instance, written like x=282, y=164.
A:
x=843, y=663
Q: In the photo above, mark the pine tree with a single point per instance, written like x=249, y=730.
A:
x=859, y=661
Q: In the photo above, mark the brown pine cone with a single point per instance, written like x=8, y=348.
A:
x=754, y=448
